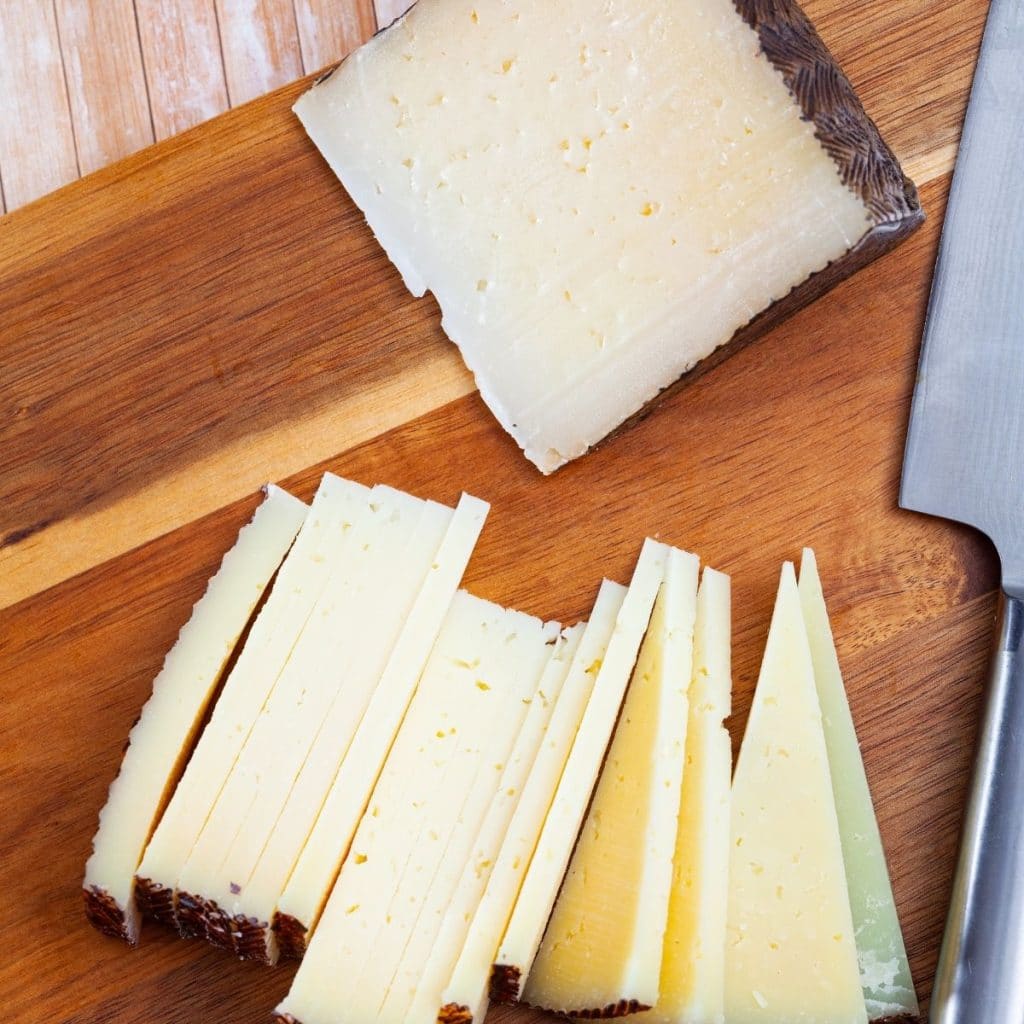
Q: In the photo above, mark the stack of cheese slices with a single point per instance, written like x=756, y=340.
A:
x=438, y=802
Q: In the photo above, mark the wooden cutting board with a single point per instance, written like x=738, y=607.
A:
x=212, y=313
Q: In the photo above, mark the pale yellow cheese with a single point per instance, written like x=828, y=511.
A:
x=884, y=969
x=414, y=994
x=544, y=876
x=442, y=772
x=335, y=664
x=332, y=791
x=466, y=994
x=602, y=949
x=598, y=195
x=790, y=953
x=159, y=741
x=300, y=582
x=692, y=986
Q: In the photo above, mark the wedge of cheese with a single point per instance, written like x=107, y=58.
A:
x=454, y=893
x=602, y=950
x=300, y=582
x=442, y=773
x=884, y=969
x=692, y=984
x=790, y=952
x=598, y=195
x=551, y=859
x=465, y=997
x=160, y=741
x=333, y=787
x=334, y=667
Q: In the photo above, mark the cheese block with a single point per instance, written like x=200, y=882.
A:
x=333, y=787
x=602, y=950
x=415, y=992
x=600, y=195
x=334, y=666
x=465, y=997
x=884, y=969
x=443, y=771
x=160, y=741
x=790, y=953
x=692, y=984
x=300, y=581
x=540, y=886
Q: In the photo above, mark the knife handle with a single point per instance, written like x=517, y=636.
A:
x=980, y=978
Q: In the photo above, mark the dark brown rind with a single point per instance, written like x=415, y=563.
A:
x=286, y=1018
x=190, y=916
x=155, y=901
x=291, y=936
x=453, y=1013
x=899, y=1018
x=867, y=166
x=506, y=983
x=620, y=1009
x=104, y=914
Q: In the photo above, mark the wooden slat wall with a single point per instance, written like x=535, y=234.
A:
x=86, y=82
x=37, y=146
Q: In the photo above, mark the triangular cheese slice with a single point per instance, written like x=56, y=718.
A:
x=601, y=952
x=884, y=970
x=790, y=953
x=692, y=984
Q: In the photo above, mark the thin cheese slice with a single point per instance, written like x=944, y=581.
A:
x=540, y=886
x=790, y=953
x=692, y=987
x=332, y=791
x=415, y=991
x=598, y=195
x=160, y=740
x=465, y=998
x=335, y=664
x=601, y=953
x=884, y=969
x=437, y=782
x=299, y=584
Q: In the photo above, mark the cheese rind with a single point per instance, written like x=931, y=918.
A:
x=440, y=776
x=540, y=886
x=790, y=950
x=692, y=982
x=884, y=968
x=602, y=948
x=334, y=667
x=598, y=197
x=331, y=794
x=182, y=690
x=465, y=997
x=300, y=581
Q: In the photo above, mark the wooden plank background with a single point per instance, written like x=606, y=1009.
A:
x=86, y=82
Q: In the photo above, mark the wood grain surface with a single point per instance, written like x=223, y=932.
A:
x=211, y=313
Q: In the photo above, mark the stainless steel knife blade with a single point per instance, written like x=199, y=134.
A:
x=965, y=447
x=965, y=461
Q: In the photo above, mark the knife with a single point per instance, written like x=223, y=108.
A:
x=965, y=461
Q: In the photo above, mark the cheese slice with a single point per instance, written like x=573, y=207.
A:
x=598, y=195
x=547, y=868
x=438, y=780
x=465, y=997
x=335, y=664
x=415, y=991
x=692, y=985
x=299, y=584
x=884, y=969
x=159, y=742
x=601, y=952
x=333, y=787
x=790, y=952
